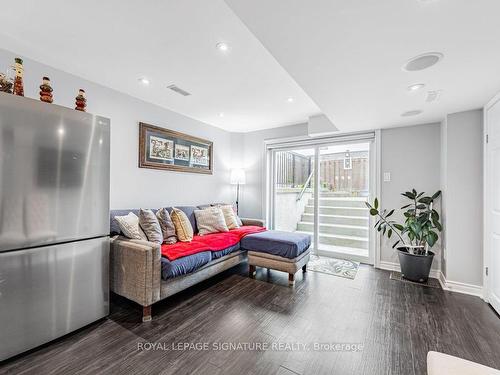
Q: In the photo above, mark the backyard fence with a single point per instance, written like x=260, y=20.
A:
x=336, y=173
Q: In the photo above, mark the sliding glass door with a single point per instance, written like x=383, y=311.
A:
x=293, y=189
x=321, y=190
x=343, y=190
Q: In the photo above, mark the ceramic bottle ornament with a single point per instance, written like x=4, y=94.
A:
x=46, y=91
x=81, y=101
x=5, y=84
x=18, y=80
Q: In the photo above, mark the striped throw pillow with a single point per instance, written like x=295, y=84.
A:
x=150, y=225
x=210, y=220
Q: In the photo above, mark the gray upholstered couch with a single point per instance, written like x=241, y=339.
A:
x=139, y=273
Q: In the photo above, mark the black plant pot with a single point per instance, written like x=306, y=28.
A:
x=415, y=267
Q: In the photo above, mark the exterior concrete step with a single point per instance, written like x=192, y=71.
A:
x=344, y=230
x=340, y=202
x=337, y=219
x=339, y=240
x=343, y=211
x=334, y=194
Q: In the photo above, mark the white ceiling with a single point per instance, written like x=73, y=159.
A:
x=347, y=54
x=115, y=42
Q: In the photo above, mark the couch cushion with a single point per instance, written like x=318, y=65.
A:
x=221, y=253
x=284, y=244
x=184, y=265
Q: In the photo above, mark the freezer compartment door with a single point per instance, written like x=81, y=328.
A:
x=54, y=174
x=50, y=291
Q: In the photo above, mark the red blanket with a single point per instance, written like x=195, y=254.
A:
x=209, y=242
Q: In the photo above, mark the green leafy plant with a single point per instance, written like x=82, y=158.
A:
x=421, y=226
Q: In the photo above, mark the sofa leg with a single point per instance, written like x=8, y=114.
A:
x=251, y=271
x=291, y=278
x=146, y=313
x=304, y=268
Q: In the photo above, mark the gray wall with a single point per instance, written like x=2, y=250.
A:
x=418, y=146
x=412, y=156
x=252, y=147
x=132, y=186
x=463, y=187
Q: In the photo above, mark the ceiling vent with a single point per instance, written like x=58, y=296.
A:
x=178, y=90
x=412, y=113
x=433, y=95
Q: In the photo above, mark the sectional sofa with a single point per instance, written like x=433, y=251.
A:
x=140, y=273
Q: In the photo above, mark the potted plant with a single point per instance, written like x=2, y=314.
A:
x=418, y=233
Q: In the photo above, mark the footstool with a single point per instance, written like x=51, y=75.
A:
x=277, y=250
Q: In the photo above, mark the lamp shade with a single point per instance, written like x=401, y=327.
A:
x=238, y=177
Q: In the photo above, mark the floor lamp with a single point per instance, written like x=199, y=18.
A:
x=238, y=178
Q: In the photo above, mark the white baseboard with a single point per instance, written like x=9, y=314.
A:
x=464, y=288
x=391, y=266
x=452, y=286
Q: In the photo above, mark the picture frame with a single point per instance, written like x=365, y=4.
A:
x=165, y=149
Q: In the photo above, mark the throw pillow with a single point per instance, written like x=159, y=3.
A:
x=229, y=217
x=150, y=225
x=238, y=220
x=129, y=226
x=183, y=227
x=167, y=226
x=210, y=220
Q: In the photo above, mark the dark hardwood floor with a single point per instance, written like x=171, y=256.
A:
x=396, y=323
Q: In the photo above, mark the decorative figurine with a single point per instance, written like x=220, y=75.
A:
x=81, y=102
x=46, y=91
x=18, y=80
x=5, y=84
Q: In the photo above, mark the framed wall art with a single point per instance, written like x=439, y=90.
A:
x=161, y=148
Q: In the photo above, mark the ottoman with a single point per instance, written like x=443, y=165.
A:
x=277, y=250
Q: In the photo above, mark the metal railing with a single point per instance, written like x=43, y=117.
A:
x=299, y=197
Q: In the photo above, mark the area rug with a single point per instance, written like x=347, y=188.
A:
x=432, y=283
x=332, y=266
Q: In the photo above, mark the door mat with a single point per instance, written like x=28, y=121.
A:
x=431, y=282
x=332, y=266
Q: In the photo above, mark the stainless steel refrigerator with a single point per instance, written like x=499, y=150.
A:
x=54, y=222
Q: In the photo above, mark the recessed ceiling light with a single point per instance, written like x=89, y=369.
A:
x=416, y=87
x=414, y=112
x=221, y=114
x=221, y=46
x=423, y=61
x=290, y=100
x=144, y=81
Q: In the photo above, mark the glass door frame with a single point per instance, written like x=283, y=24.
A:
x=274, y=146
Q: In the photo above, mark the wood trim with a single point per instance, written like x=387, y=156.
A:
x=144, y=163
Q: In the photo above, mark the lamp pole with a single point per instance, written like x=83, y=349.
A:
x=237, y=197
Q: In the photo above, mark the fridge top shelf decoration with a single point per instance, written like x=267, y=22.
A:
x=16, y=86
x=165, y=149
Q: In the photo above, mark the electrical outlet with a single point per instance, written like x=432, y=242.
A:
x=387, y=176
